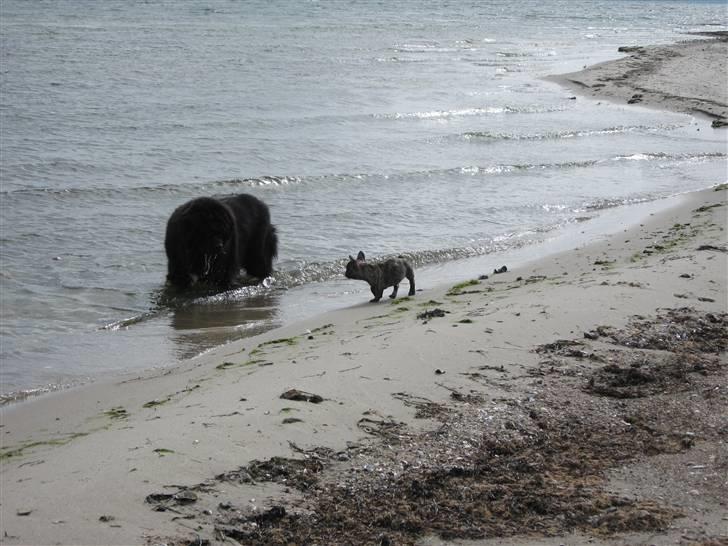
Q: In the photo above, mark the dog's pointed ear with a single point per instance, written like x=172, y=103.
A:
x=360, y=257
x=351, y=258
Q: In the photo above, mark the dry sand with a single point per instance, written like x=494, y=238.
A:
x=581, y=398
x=689, y=77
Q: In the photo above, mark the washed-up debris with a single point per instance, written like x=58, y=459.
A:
x=705, y=208
x=155, y=403
x=247, y=529
x=557, y=346
x=461, y=288
x=678, y=330
x=500, y=368
x=117, y=413
x=529, y=471
x=470, y=398
x=434, y=313
x=495, y=467
x=164, y=502
x=197, y=541
x=386, y=428
x=185, y=497
x=637, y=97
x=690, y=337
x=297, y=473
x=158, y=497
x=501, y=269
x=301, y=396
x=634, y=376
x=713, y=247
x=426, y=409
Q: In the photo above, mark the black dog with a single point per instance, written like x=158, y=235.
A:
x=209, y=239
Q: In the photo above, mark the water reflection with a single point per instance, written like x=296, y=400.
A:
x=206, y=323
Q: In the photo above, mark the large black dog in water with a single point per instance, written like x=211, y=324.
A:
x=209, y=239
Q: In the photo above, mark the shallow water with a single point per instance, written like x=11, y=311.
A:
x=404, y=128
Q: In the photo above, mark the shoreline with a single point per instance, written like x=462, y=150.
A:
x=669, y=77
x=185, y=438
x=593, y=229
x=177, y=334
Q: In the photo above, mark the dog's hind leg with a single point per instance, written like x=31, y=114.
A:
x=410, y=274
x=394, y=292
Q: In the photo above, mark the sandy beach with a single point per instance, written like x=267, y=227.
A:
x=582, y=398
x=687, y=77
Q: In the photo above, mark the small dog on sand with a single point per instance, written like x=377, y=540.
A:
x=381, y=275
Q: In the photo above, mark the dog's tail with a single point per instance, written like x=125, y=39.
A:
x=410, y=274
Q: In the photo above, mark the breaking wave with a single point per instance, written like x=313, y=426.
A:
x=464, y=112
x=555, y=135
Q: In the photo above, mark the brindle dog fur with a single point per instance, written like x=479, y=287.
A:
x=381, y=275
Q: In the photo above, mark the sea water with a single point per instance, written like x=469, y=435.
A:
x=411, y=127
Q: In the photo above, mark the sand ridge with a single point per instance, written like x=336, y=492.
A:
x=686, y=77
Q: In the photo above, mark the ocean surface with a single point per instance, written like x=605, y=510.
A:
x=412, y=127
